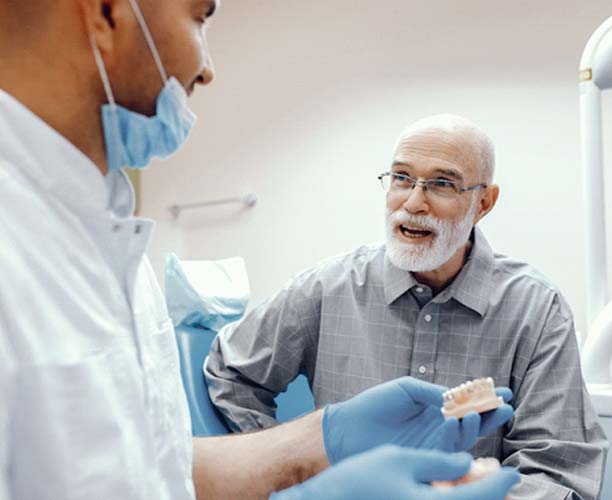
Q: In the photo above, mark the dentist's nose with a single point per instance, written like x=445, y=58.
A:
x=208, y=72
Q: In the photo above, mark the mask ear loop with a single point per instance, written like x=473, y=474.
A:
x=147, y=34
x=111, y=101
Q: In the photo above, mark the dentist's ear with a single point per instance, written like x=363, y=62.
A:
x=102, y=18
x=487, y=201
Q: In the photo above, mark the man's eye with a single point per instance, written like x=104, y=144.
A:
x=400, y=179
x=441, y=183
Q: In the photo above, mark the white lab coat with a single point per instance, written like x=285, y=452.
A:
x=91, y=402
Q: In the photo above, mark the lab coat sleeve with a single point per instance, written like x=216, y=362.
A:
x=252, y=361
x=7, y=384
x=554, y=438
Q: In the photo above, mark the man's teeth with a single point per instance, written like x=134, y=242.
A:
x=414, y=233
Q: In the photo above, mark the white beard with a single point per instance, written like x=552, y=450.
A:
x=449, y=236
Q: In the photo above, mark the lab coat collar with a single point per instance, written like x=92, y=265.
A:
x=471, y=286
x=51, y=161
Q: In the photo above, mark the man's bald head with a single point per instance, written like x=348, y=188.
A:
x=468, y=142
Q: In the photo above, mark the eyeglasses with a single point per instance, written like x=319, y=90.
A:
x=442, y=188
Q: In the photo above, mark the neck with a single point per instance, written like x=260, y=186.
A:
x=57, y=90
x=440, y=278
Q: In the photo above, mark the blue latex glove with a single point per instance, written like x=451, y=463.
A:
x=406, y=412
x=391, y=472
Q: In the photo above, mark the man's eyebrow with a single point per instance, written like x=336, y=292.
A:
x=455, y=174
x=400, y=164
x=450, y=173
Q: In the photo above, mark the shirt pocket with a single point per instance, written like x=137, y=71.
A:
x=77, y=430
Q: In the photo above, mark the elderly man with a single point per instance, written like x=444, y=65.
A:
x=91, y=402
x=436, y=303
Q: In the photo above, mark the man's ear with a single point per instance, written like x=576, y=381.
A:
x=101, y=18
x=487, y=201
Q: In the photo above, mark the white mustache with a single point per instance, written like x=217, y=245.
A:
x=427, y=222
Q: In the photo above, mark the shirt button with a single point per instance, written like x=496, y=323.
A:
x=419, y=290
x=422, y=369
x=428, y=318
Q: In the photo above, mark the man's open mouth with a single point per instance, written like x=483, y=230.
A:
x=412, y=232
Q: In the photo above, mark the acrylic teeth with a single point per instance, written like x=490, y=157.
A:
x=468, y=389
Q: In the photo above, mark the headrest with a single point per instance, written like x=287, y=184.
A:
x=205, y=293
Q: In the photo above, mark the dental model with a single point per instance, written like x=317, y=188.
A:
x=481, y=468
x=476, y=395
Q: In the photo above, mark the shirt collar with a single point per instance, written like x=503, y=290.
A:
x=396, y=281
x=55, y=164
x=471, y=287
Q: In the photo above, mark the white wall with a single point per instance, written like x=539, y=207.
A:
x=310, y=96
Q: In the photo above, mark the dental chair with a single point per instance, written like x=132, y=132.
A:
x=202, y=297
x=193, y=345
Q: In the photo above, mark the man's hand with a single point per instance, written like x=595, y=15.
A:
x=405, y=412
x=391, y=472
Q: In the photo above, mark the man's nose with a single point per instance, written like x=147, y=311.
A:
x=416, y=201
x=208, y=72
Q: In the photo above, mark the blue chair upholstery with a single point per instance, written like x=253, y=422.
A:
x=295, y=401
x=193, y=346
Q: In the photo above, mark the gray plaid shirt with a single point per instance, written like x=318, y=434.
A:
x=356, y=320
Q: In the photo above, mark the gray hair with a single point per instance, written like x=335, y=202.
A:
x=458, y=126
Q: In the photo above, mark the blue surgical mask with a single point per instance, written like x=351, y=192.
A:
x=133, y=139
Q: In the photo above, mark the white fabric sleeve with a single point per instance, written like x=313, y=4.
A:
x=7, y=375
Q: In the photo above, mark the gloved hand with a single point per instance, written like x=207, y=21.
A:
x=406, y=412
x=391, y=472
